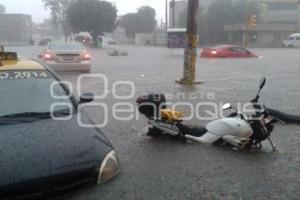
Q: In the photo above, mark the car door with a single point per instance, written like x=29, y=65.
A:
x=230, y=52
x=291, y=42
x=297, y=41
x=238, y=52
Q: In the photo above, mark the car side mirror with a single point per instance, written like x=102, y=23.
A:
x=226, y=106
x=86, y=98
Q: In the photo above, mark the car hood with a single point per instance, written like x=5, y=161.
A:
x=44, y=148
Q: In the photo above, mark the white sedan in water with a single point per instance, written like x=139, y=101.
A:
x=67, y=56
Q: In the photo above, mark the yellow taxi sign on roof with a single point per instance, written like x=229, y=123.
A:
x=20, y=64
x=4, y=56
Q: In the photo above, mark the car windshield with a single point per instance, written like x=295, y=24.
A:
x=219, y=47
x=68, y=46
x=30, y=92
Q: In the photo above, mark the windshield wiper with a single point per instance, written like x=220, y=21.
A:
x=27, y=114
x=31, y=116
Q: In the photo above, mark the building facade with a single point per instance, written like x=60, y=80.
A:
x=276, y=21
x=15, y=29
x=176, y=9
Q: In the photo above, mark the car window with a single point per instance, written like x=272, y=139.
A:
x=29, y=91
x=291, y=38
x=297, y=38
x=239, y=50
x=66, y=46
x=219, y=47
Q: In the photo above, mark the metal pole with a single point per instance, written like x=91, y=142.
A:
x=190, y=52
x=298, y=27
x=166, y=14
x=173, y=14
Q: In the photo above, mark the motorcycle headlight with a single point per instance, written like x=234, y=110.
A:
x=109, y=168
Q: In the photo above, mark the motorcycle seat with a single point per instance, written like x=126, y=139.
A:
x=196, y=131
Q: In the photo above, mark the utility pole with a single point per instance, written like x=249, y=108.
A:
x=190, y=53
x=298, y=16
x=166, y=14
x=173, y=14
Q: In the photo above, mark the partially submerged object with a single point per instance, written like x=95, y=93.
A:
x=117, y=52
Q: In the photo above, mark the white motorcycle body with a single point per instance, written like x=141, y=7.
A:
x=234, y=131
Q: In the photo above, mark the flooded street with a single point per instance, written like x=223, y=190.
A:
x=163, y=168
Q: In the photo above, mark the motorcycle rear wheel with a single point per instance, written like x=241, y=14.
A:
x=154, y=132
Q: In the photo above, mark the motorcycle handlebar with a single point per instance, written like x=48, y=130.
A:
x=255, y=100
x=274, y=121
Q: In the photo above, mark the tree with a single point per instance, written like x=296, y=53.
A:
x=182, y=20
x=202, y=24
x=58, y=10
x=147, y=21
x=242, y=10
x=2, y=9
x=219, y=14
x=130, y=23
x=225, y=12
x=92, y=16
x=143, y=21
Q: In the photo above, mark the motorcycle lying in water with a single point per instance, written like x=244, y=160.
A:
x=240, y=129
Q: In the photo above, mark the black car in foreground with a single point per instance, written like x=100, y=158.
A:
x=40, y=155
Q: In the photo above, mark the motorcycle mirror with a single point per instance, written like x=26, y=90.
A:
x=261, y=86
x=262, y=83
x=226, y=106
x=86, y=98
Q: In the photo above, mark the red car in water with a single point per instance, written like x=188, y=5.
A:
x=227, y=51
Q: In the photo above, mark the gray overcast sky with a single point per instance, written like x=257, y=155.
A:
x=36, y=9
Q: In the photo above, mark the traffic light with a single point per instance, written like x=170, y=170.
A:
x=253, y=21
